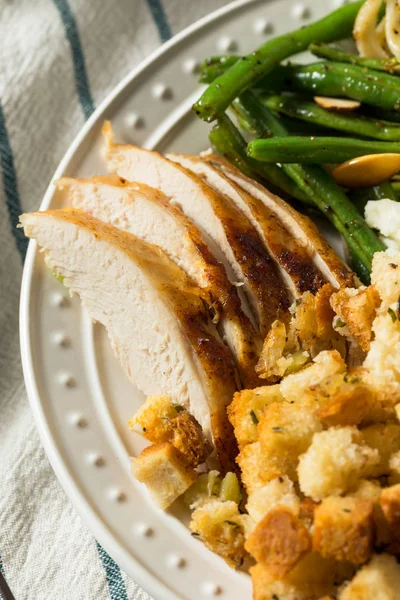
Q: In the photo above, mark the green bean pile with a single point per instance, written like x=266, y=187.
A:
x=293, y=137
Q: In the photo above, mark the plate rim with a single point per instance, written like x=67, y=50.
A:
x=123, y=558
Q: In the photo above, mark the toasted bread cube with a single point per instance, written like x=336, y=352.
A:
x=335, y=461
x=343, y=529
x=344, y=399
x=162, y=421
x=246, y=409
x=312, y=578
x=394, y=466
x=382, y=359
x=371, y=490
x=390, y=503
x=279, y=491
x=257, y=468
x=286, y=431
x=165, y=473
x=379, y=580
x=272, y=364
x=357, y=308
x=154, y=417
x=220, y=526
x=385, y=277
x=279, y=541
x=188, y=438
x=294, y=387
x=385, y=438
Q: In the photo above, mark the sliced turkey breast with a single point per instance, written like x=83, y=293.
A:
x=229, y=234
x=156, y=319
x=146, y=212
x=297, y=268
x=331, y=267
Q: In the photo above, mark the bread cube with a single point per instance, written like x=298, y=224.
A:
x=294, y=387
x=334, y=462
x=285, y=432
x=394, y=466
x=357, y=309
x=219, y=525
x=154, y=418
x=279, y=541
x=382, y=359
x=379, y=579
x=345, y=399
x=385, y=438
x=257, y=468
x=279, y=491
x=246, y=409
x=343, y=529
x=164, y=472
x=385, y=277
x=162, y=421
x=312, y=578
x=187, y=437
x=390, y=503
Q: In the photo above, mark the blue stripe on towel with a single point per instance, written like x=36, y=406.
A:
x=10, y=186
x=115, y=582
x=81, y=78
x=160, y=19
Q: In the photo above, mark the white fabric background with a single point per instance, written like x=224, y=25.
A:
x=46, y=553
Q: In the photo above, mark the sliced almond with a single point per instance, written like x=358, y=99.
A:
x=337, y=103
x=366, y=171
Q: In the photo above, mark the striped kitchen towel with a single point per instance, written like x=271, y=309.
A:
x=58, y=60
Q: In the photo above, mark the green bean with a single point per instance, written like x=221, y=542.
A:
x=229, y=143
x=316, y=150
x=338, y=79
x=214, y=66
x=396, y=188
x=361, y=196
x=299, y=107
x=319, y=186
x=249, y=69
x=389, y=65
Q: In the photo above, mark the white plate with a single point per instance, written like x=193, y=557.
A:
x=80, y=397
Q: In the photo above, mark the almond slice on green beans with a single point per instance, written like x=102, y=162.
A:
x=337, y=103
x=366, y=171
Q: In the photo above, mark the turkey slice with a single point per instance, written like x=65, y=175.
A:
x=331, y=267
x=297, y=268
x=156, y=319
x=229, y=234
x=146, y=212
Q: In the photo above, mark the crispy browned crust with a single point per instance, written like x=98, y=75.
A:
x=280, y=243
x=224, y=296
x=188, y=304
x=279, y=541
x=257, y=267
x=344, y=529
x=340, y=272
x=358, y=312
x=390, y=504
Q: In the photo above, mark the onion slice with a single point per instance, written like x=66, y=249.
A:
x=365, y=34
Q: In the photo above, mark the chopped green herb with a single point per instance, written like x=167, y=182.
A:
x=339, y=323
x=178, y=408
x=195, y=534
x=275, y=597
x=254, y=417
x=346, y=510
x=392, y=314
x=59, y=277
x=278, y=429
